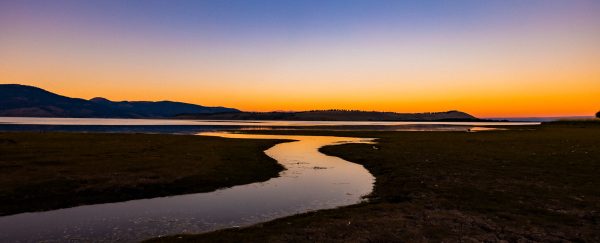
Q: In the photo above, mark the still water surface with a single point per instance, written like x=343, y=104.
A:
x=195, y=126
x=311, y=181
x=166, y=122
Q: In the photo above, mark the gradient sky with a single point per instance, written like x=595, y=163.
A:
x=504, y=58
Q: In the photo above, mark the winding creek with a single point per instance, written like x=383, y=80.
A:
x=310, y=182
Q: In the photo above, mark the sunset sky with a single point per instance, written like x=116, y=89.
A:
x=504, y=58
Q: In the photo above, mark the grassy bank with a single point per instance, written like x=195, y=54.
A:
x=41, y=171
x=520, y=185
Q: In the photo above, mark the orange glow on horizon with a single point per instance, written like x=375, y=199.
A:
x=573, y=102
x=521, y=60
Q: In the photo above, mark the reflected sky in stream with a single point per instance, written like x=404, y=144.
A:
x=311, y=181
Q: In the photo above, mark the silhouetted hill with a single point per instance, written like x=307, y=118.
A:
x=160, y=108
x=337, y=115
x=29, y=101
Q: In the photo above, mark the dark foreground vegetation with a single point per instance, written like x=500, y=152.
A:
x=533, y=184
x=579, y=123
x=41, y=171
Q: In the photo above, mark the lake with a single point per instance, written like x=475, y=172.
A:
x=195, y=126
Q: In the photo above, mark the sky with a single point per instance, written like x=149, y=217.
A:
x=493, y=58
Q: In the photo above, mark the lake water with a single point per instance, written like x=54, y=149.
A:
x=195, y=126
x=311, y=181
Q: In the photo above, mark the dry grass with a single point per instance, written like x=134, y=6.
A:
x=520, y=185
x=41, y=171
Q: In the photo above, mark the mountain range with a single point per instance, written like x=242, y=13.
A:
x=336, y=115
x=29, y=101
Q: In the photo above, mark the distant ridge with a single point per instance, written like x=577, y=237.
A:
x=29, y=101
x=337, y=115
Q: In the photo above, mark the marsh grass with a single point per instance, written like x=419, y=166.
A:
x=538, y=184
x=42, y=171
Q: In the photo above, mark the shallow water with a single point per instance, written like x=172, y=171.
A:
x=172, y=122
x=311, y=181
x=195, y=126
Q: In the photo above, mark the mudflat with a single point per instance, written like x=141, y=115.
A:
x=43, y=171
x=532, y=184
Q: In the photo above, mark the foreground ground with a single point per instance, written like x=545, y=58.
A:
x=539, y=184
x=41, y=171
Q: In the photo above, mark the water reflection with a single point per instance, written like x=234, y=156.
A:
x=196, y=126
x=311, y=181
x=245, y=123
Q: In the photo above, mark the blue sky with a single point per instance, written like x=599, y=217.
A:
x=290, y=55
